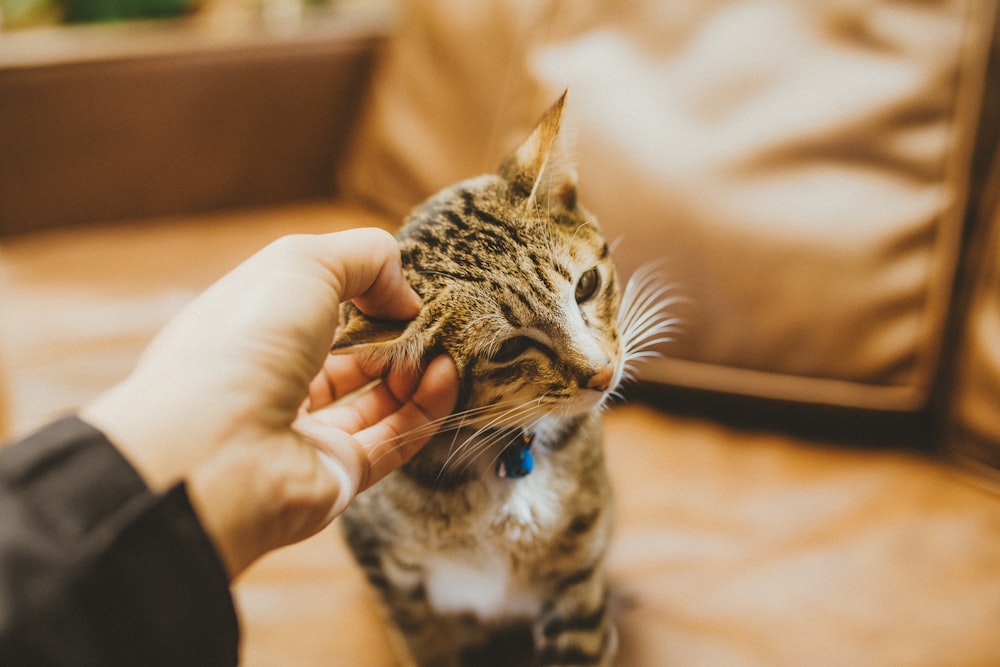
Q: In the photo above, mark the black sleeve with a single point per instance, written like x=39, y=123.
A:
x=95, y=569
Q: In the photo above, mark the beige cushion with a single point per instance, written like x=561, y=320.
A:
x=800, y=168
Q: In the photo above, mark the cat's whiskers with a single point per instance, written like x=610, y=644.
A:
x=645, y=321
x=455, y=421
x=502, y=423
x=496, y=438
x=650, y=324
x=518, y=435
x=646, y=298
x=488, y=412
x=475, y=446
x=514, y=437
x=649, y=305
x=645, y=335
x=495, y=429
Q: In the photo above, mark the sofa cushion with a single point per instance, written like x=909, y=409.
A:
x=800, y=169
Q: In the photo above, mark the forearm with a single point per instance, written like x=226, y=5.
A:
x=97, y=569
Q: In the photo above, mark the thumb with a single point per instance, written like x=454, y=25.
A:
x=343, y=457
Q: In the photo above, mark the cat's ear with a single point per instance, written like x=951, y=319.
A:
x=540, y=168
x=380, y=343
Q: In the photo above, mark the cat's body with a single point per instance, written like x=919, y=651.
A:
x=505, y=516
x=452, y=565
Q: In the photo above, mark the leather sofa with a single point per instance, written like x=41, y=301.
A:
x=810, y=473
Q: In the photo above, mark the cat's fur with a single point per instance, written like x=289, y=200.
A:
x=518, y=286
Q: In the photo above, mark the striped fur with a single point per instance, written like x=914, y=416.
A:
x=519, y=288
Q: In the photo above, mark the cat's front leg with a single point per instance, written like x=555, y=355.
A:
x=419, y=637
x=575, y=627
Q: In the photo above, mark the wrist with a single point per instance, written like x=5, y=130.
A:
x=255, y=496
x=128, y=427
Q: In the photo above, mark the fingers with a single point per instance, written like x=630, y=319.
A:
x=366, y=266
x=339, y=377
x=388, y=429
x=392, y=441
x=342, y=375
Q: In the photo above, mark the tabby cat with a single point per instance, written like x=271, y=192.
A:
x=504, y=517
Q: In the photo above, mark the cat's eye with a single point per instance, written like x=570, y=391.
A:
x=587, y=285
x=511, y=349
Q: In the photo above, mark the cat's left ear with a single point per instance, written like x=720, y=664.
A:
x=540, y=168
x=381, y=343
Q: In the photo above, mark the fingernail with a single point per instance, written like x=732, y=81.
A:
x=348, y=484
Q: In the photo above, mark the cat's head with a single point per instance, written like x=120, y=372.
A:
x=517, y=284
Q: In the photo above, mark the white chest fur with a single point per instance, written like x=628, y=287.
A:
x=516, y=517
x=480, y=584
x=480, y=580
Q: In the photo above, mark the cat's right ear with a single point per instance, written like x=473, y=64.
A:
x=540, y=168
x=380, y=343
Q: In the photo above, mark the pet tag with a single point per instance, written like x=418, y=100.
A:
x=517, y=461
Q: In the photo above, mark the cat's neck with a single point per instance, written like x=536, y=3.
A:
x=453, y=459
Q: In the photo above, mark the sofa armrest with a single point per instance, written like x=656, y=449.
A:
x=974, y=434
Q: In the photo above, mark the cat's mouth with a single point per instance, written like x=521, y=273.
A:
x=592, y=398
x=587, y=402
x=500, y=433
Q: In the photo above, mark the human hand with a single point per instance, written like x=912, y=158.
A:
x=218, y=397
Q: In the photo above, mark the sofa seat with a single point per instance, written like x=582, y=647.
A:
x=734, y=546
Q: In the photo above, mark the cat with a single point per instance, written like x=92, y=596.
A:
x=503, y=519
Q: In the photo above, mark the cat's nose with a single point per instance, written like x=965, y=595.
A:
x=601, y=380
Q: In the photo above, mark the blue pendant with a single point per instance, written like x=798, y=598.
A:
x=517, y=461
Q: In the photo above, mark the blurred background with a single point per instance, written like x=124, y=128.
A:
x=26, y=14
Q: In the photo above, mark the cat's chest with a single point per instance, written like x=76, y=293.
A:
x=527, y=509
x=480, y=576
x=485, y=586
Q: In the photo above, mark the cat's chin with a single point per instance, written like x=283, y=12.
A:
x=585, y=402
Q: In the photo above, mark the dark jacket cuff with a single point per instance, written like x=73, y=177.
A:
x=97, y=569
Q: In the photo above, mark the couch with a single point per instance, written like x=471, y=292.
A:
x=810, y=474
